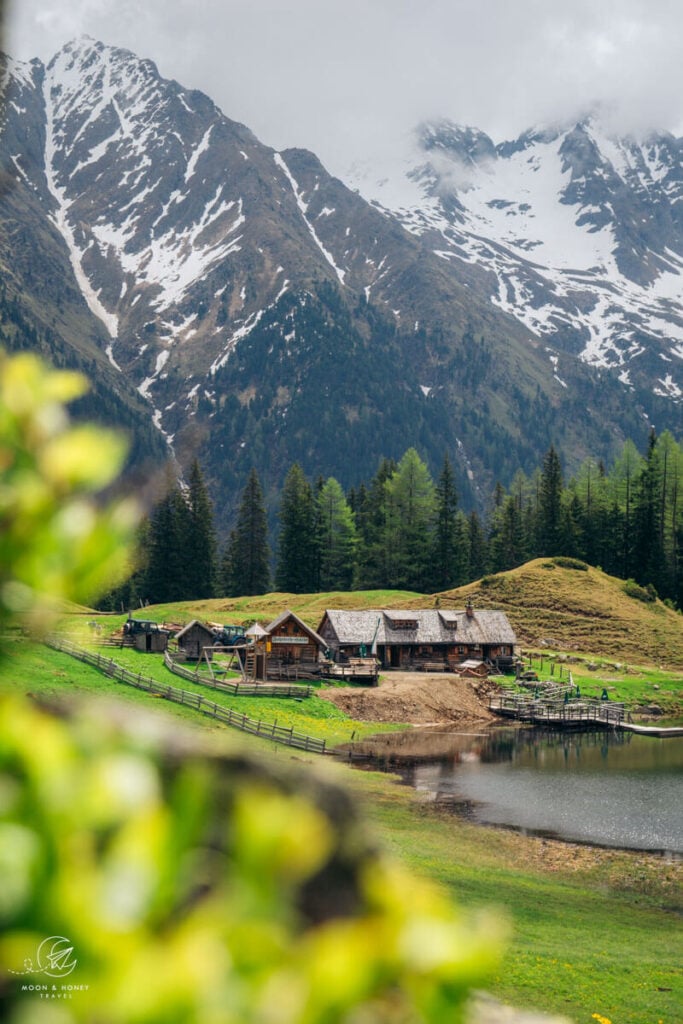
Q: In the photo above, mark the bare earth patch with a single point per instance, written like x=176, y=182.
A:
x=418, y=698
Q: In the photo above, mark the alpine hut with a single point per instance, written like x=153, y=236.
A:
x=295, y=648
x=423, y=639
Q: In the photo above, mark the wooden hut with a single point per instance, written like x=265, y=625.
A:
x=194, y=638
x=295, y=648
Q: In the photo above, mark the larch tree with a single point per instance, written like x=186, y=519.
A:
x=411, y=508
x=336, y=538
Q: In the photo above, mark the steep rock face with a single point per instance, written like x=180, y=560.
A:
x=582, y=234
x=262, y=311
x=42, y=307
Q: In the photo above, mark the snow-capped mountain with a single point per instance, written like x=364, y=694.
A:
x=581, y=232
x=264, y=311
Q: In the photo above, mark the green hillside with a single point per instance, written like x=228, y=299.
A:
x=577, y=610
x=582, y=611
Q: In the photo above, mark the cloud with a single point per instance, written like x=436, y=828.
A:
x=345, y=77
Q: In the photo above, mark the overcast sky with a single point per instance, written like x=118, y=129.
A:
x=344, y=76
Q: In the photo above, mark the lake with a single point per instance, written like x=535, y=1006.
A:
x=612, y=788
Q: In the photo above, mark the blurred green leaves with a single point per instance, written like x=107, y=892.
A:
x=56, y=542
x=200, y=917
x=193, y=888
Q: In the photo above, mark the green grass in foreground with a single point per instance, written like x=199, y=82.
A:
x=594, y=931
x=51, y=673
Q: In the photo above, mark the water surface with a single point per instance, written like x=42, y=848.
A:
x=605, y=788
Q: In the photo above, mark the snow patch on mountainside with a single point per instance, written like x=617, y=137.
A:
x=61, y=218
x=556, y=216
x=303, y=208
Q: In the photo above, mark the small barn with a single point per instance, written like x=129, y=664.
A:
x=293, y=643
x=426, y=639
x=146, y=635
x=193, y=638
x=153, y=642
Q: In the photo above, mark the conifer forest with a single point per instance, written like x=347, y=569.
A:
x=405, y=530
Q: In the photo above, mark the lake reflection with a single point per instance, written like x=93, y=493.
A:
x=606, y=788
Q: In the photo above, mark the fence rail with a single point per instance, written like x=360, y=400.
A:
x=272, y=731
x=238, y=689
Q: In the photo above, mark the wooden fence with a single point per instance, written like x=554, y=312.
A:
x=235, y=688
x=271, y=731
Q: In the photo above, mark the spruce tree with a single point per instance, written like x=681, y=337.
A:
x=166, y=578
x=550, y=506
x=297, y=542
x=372, y=557
x=246, y=564
x=506, y=543
x=449, y=555
x=477, y=548
x=622, y=482
x=649, y=557
x=200, y=543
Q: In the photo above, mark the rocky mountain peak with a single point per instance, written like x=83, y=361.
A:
x=266, y=311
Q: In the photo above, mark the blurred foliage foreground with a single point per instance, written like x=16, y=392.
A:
x=146, y=877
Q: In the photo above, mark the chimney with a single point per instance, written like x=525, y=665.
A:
x=469, y=610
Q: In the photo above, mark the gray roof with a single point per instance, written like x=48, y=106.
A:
x=288, y=614
x=432, y=626
x=190, y=625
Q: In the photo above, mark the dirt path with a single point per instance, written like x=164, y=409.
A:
x=420, y=698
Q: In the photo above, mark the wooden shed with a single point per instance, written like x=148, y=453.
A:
x=153, y=642
x=193, y=638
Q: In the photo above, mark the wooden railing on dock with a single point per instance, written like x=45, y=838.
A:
x=558, y=709
x=268, y=730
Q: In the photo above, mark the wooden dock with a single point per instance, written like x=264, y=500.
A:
x=654, y=730
x=560, y=707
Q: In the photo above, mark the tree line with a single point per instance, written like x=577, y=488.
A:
x=403, y=530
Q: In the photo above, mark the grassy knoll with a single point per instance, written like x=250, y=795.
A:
x=576, y=611
x=594, y=931
x=265, y=607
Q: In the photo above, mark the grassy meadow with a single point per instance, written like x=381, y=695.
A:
x=596, y=934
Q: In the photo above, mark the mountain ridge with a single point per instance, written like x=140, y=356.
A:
x=610, y=289
x=263, y=309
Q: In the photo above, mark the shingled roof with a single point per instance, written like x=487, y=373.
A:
x=421, y=626
x=288, y=614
